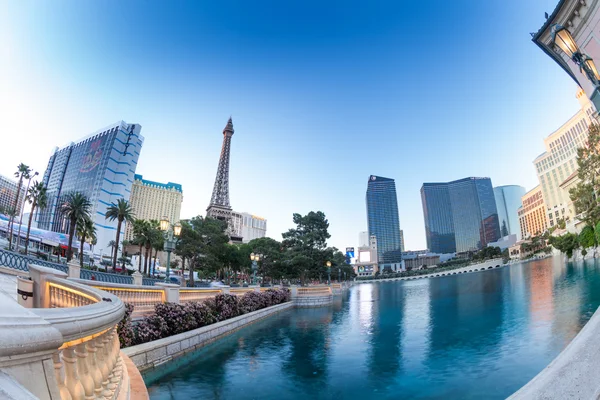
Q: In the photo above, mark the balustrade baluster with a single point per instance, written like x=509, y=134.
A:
x=59, y=376
x=101, y=360
x=84, y=370
x=95, y=370
x=72, y=381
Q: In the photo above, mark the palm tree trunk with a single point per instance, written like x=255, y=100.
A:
x=155, y=255
x=191, y=268
x=117, y=244
x=11, y=221
x=71, y=234
x=81, y=251
x=33, y=205
x=146, y=257
x=140, y=260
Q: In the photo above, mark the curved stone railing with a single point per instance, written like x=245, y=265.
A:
x=69, y=349
x=191, y=294
x=316, y=296
x=143, y=298
x=314, y=291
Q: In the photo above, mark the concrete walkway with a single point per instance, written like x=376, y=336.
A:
x=8, y=285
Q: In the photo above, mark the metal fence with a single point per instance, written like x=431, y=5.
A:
x=21, y=262
x=105, y=277
x=150, y=281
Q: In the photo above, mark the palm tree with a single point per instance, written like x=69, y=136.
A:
x=86, y=230
x=23, y=172
x=113, y=245
x=158, y=243
x=121, y=211
x=138, y=237
x=76, y=206
x=37, y=197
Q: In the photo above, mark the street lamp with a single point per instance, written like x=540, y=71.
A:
x=563, y=39
x=328, y=263
x=22, y=209
x=170, y=241
x=339, y=275
x=255, y=258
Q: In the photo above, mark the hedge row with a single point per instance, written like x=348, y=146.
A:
x=171, y=318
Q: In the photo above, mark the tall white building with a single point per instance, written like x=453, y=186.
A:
x=559, y=160
x=252, y=227
x=8, y=193
x=363, y=239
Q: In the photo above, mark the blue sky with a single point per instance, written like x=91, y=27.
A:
x=322, y=94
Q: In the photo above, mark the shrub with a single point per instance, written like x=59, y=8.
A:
x=171, y=318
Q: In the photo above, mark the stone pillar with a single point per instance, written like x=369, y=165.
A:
x=294, y=291
x=171, y=292
x=74, y=269
x=225, y=290
x=39, y=274
x=137, y=278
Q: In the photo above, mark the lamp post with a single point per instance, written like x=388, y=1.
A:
x=339, y=275
x=328, y=272
x=171, y=232
x=21, y=219
x=563, y=39
x=255, y=258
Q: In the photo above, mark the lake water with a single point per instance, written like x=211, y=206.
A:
x=473, y=336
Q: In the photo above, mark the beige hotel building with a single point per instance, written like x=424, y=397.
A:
x=154, y=200
x=533, y=219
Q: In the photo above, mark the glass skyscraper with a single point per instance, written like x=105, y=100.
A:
x=102, y=167
x=508, y=201
x=460, y=215
x=383, y=220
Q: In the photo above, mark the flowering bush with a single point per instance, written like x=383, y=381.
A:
x=172, y=318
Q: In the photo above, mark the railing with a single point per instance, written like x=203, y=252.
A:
x=88, y=364
x=143, y=298
x=336, y=286
x=240, y=291
x=150, y=281
x=314, y=291
x=105, y=277
x=21, y=262
x=187, y=295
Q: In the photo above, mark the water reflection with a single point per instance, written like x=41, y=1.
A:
x=480, y=335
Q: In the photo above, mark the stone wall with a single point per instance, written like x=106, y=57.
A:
x=313, y=301
x=151, y=355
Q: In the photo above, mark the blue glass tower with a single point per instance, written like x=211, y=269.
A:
x=382, y=218
x=460, y=215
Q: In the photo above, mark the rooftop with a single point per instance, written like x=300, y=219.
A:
x=168, y=185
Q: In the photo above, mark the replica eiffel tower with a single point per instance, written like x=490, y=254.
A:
x=219, y=206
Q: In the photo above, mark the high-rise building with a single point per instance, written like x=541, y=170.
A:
x=382, y=218
x=8, y=194
x=154, y=200
x=402, y=240
x=460, y=215
x=363, y=239
x=102, y=167
x=253, y=227
x=508, y=201
x=533, y=219
x=219, y=206
x=559, y=160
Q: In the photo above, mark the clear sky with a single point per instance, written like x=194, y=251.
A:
x=322, y=94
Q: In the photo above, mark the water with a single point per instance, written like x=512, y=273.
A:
x=472, y=336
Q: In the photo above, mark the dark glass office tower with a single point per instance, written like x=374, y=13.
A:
x=460, y=215
x=382, y=218
x=439, y=225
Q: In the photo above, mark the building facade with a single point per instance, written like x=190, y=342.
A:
x=383, y=219
x=363, y=238
x=253, y=227
x=460, y=215
x=559, y=160
x=508, y=201
x=154, y=200
x=533, y=219
x=582, y=19
x=402, y=248
x=102, y=167
x=8, y=194
x=367, y=263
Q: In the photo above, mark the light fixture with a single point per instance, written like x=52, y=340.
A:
x=252, y=256
x=589, y=63
x=563, y=39
x=164, y=224
x=328, y=264
x=177, y=229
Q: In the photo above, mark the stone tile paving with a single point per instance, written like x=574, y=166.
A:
x=8, y=284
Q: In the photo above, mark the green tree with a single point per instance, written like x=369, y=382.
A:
x=86, y=230
x=38, y=198
x=566, y=243
x=139, y=228
x=587, y=238
x=270, y=264
x=121, y=211
x=75, y=206
x=23, y=172
x=584, y=195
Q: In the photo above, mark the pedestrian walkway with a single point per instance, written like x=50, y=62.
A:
x=8, y=285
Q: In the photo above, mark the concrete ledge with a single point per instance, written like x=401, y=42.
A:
x=312, y=301
x=152, y=354
x=574, y=373
x=137, y=387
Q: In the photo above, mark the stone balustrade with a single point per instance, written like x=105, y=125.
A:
x=68, y=347
x=312, y=296
x=197, y=294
